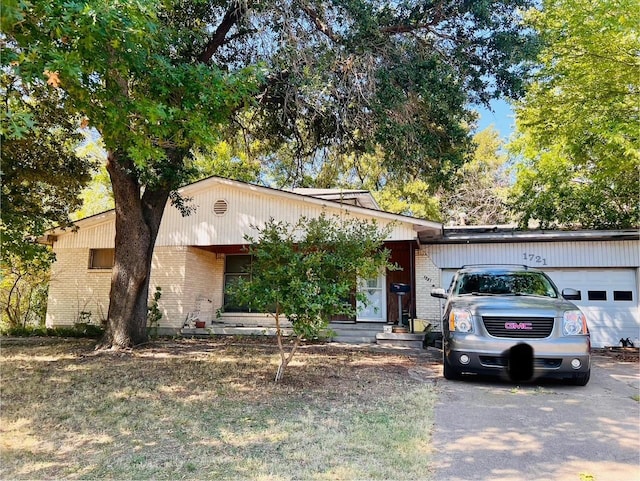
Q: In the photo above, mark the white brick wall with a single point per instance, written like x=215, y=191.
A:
x=203, y=284
x=190, y=279
x=427, y=277
x=168, y=271
x=75, y=288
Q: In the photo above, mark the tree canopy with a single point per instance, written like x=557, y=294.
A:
x=577, y=126
x=479, y=191
x=158, y=80
x=42, y=171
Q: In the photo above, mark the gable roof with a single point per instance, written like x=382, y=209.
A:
x=354, y=201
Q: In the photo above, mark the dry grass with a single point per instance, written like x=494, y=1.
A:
x=210, y=410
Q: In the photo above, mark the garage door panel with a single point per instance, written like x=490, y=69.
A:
x=609, y=336
x=609, y=319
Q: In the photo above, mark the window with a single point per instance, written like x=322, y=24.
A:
x=519, y=283
x=622, y=296
x=374, y=290
x=235, y=267
x=597, y=295
x=101, y=258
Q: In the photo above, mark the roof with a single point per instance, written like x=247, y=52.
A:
x=362, y=198
x=498, y=234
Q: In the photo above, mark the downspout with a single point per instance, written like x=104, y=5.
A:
x=412, y=272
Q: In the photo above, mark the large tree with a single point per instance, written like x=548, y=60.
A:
x=42, y=174
x=577, y=127
x=158, y=79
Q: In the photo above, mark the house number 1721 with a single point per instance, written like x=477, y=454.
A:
x=536, y=259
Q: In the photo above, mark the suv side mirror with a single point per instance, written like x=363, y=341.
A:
x=571, y=294
x=439, y=292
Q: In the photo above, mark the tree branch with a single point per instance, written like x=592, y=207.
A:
x=319, y=23
x=234, y=14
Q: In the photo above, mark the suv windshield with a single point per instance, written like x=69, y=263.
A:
x=509, y=283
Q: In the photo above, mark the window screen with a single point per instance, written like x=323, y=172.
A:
x=235, y=267
x=101, y=258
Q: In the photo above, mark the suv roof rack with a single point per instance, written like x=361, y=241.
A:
x=466, y=266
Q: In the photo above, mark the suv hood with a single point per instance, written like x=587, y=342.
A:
x=510, y=305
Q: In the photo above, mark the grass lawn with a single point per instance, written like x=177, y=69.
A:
x=210, y=410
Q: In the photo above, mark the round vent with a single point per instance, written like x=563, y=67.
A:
x=220, y=207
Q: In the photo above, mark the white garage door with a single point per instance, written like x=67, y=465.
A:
x=609, y=298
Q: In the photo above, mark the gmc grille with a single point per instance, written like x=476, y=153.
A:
x=538, y=362
x=519, y=327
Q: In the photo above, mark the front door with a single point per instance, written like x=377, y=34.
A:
x=376, y=293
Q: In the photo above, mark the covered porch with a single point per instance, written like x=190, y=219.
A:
x=213, y=313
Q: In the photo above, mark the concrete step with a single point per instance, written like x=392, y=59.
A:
x=248, y=331
x=195, y=332
x=351, y=333
x=396, y=339
x=356, y=332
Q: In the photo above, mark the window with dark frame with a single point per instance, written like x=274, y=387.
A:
x=597, y=295
x=622, y=295
x=235, y=267
x=101, y=258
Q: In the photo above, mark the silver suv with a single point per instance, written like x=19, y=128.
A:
x=511, y=321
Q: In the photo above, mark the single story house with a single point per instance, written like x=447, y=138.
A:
x=196, y=256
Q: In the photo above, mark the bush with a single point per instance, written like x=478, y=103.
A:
x=77, y=330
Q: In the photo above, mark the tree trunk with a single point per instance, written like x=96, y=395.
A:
x=137, y=223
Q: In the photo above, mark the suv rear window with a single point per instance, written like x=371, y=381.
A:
x=514, y=283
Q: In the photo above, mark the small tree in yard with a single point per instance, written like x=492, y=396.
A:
x=308, y=272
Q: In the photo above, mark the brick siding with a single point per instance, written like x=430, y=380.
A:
x=427, y=277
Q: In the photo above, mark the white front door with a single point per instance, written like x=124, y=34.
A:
x=376, y=292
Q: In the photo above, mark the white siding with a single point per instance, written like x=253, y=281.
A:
x=100, y=236
x=625, y=253
x=246, y=208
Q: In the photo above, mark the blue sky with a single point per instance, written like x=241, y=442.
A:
x=502, y=118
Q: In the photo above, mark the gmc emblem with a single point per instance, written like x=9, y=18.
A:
x=522, y=326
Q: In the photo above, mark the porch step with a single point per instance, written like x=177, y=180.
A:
x=396, y=339
x=195, y=332
x=247, y=331
x=355, y=333
x=350, y=333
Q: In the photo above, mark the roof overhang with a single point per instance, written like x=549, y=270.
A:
x=498, y=234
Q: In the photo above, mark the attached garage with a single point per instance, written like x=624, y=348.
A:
x=609, y=298
x=603, y=265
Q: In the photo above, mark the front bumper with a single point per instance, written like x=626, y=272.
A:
x=529, y=359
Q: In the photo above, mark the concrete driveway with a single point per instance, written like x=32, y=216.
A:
x=492, y=431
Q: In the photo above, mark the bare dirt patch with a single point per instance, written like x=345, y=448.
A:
x=623, y=354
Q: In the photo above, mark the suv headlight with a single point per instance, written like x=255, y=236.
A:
x=574, y=323
x=460, y=320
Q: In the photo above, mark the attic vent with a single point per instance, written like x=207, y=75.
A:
x=220, y=207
